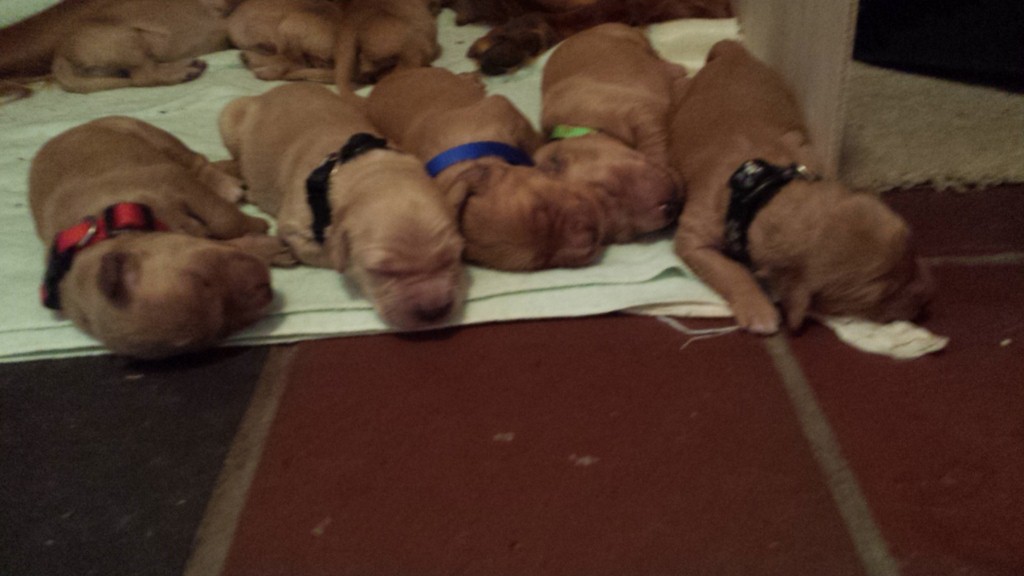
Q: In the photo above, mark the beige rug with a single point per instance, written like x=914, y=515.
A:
x=903, y=130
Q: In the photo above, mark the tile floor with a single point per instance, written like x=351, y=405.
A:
x=592, y=446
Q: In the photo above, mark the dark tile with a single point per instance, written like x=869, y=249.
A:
x=938, y=442
x=108, y=465
x=948, y=223
x=572, y=447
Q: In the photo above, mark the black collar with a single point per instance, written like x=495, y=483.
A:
x=753, y=185
x=319, y=180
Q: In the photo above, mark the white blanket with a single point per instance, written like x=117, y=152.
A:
x=313, y=303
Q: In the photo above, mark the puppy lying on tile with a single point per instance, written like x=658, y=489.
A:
x=333, y=42
x=512, y=216
x=606, y=97
x=150, y=254
x=346, y=200
x=91, y=45
x=756, y=211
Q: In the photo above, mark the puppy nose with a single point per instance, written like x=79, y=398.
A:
x=434, y=313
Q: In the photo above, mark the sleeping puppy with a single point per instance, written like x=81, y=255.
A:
x=379, y=36
x=606, y=97
x=755, y=210
x=512, y=216
x=524, y=29
x=345, y=200
x=287, y=39
x=91, y=45
x=150, y=254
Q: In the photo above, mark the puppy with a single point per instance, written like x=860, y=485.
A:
x=367, y=210
x=91, y=45
x=287, y=39
x=380, y=36
x=524, y=29
x=150, y=255
x=606, y=97
x=755, y=211
x=512, y=216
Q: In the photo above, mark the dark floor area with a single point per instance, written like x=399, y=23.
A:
x=581, y=446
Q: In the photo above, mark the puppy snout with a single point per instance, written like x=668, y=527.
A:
x=434, y=313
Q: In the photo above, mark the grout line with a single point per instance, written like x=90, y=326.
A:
x=217, y=530
x=985, y=260
x=849, y=499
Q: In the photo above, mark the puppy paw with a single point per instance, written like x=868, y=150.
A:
x=507, y=48
x=194, y=70
x=270, y=249
x=758, y=316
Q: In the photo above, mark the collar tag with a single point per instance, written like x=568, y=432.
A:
x=476, y=150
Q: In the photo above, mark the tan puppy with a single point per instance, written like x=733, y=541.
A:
x=380, y=219
x=287, y=39
x=513, y=217
x=816, y=245
x=91, y=45
x=606, y=98
x=147, y=294
x=379, y=36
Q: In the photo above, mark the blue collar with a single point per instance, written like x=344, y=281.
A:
x=475, y=150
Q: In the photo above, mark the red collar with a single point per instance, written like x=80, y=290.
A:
x=117, y=218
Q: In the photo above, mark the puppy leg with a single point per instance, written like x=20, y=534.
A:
x=224, y=184
x=108, y=56
x=270, y=249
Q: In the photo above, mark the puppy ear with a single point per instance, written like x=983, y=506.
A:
x=116, y=276
x=468, y=183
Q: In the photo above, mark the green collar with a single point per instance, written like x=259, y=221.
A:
x=562, y=131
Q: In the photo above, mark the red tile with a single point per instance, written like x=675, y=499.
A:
x=580, y=447
x=938, y=442
x=948, y=223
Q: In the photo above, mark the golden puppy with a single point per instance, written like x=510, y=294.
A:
x=91, y=45
x=816, y=245
x=287, y=39
x=366, y=210
x=380, y=36
x=606, y=97
x=523, y=29
x=513, y=216
x=133, y=215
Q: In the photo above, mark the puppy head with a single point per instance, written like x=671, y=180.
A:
x=641, y=196
x=405, y=254
x=519, y=218
x=156, y=294
x=863, y=264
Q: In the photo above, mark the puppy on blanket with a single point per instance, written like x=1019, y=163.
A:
x=345, y=200
x=91, y=45
x=331, y=41
x=605, y=101
x=150, y=254
x=757, y=211
x=512, y=215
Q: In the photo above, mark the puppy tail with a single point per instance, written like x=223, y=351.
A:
x=346, y=46
x=27, y=47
